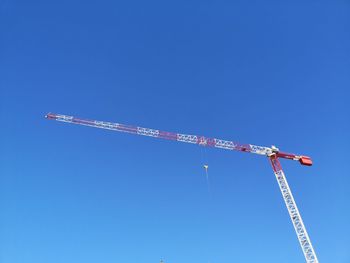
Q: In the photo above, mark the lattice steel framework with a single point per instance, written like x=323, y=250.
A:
x=271, y=152
x=293, y=211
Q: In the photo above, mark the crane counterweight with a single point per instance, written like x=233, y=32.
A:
x=305, y=160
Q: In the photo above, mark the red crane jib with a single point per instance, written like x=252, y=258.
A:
x=201, y=140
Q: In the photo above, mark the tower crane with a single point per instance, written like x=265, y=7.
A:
x=273, y=153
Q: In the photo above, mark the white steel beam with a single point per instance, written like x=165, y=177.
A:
x=293, y=211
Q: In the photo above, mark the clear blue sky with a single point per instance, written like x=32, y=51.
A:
x=260, y=72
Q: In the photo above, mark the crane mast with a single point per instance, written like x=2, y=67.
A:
x=293, y=211
x=272, y=153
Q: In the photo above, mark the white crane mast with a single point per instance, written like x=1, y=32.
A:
x=293, y=211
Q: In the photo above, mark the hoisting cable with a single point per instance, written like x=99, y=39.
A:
x=205, y=166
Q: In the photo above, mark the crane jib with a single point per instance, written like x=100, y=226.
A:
x=194, y=139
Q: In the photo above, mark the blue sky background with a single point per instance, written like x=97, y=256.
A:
x=260, y=72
